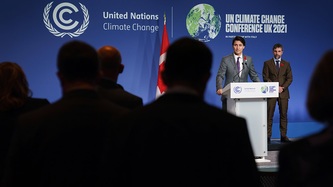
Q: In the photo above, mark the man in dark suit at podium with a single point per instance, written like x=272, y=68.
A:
x=179, y=139
x=236, y=67
x=277, y=69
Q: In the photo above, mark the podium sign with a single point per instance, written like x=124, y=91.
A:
x=249, y=100
x=252, y=90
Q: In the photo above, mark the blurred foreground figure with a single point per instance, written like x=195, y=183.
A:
x=15, y=99
x=309, y=161
x=176, y=140
x=61, y=144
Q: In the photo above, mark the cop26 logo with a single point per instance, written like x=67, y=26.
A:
x=62, y=16
x=237, y=90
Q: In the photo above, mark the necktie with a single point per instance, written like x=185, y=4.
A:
x=238, y=65
x=277, y=65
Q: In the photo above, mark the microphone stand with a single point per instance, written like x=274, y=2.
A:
x=233, y=79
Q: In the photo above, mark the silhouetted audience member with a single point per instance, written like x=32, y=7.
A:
x=309, y=160
x=61, y=144
x=111, y=67
x=179, y=139
x=15, y=99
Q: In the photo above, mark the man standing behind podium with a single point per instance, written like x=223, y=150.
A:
x=235, y=67
x=278, y=70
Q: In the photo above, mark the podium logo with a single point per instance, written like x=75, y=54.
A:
x=272, y=89
x=264, y=89
x=237, y=89
x=62, y=16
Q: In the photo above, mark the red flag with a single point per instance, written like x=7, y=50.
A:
x=161, y=87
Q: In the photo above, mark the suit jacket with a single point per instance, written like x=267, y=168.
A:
x=308, y=161
x=7, y=125
x=179, y=140
x=116, y=93
x=228, y=72
x=284, y=76
x=61, y=144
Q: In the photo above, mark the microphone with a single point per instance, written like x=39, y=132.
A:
x=233, y=79
x=258, y=74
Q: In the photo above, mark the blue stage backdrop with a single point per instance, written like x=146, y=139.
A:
x=32, y=32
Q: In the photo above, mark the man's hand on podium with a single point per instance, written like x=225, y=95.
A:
x=219, y=92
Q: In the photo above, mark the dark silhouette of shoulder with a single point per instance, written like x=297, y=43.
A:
x=117, y=94
x=8, y=125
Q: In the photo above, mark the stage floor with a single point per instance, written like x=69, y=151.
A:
x=270, y=163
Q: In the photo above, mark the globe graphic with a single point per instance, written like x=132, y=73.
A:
x=203, y=23
x=264, y=89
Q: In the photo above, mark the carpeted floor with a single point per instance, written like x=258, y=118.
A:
x=268, y=170
x=268, y=166
x=270, y=163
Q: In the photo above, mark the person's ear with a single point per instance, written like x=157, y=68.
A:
x=60, y=77
x=121, y=68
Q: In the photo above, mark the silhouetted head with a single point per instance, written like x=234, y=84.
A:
x=320, y=91
x=14, y=87
x=188, y=63
x=110, y=60
x=78, y=61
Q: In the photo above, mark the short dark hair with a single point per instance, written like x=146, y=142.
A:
x=78, y=60
x=188, y=60
x=238, y=38
x=277, y=45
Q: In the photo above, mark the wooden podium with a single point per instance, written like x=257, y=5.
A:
x=249, y=100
